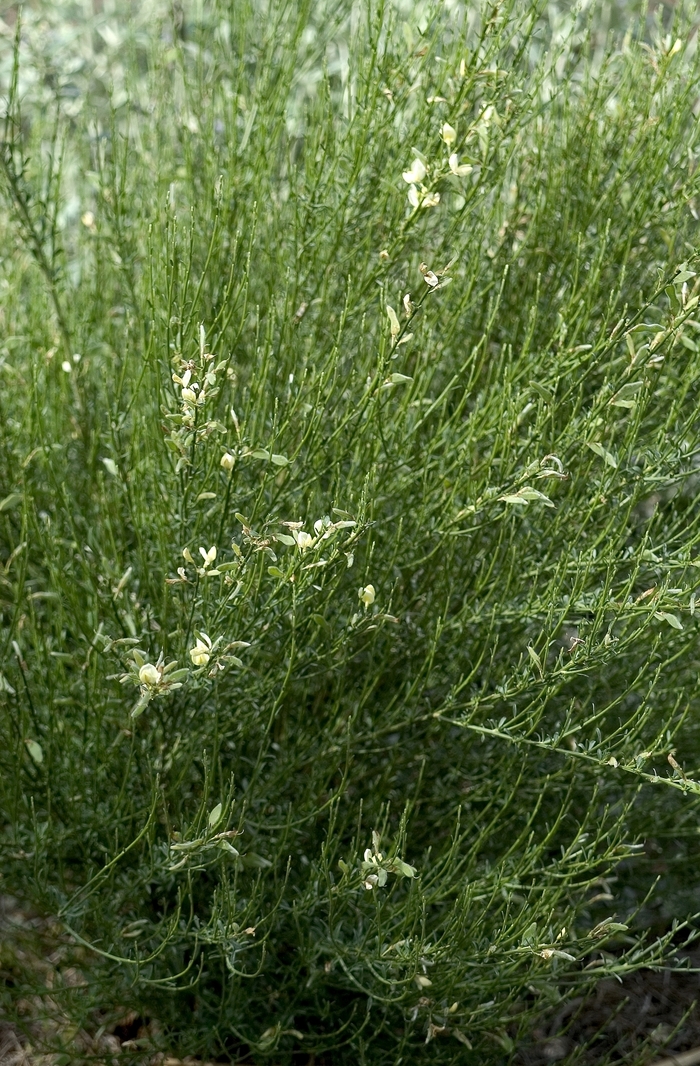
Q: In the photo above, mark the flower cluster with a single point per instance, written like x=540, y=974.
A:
x=196, y=380
x=419, y=193
x=323, y=528
x=205, y=649
x=375, y=867
x=153, y=679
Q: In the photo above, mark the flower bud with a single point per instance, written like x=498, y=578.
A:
x=228, y=462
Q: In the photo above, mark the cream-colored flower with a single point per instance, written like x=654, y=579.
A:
x=429, y=276
x=228, y=462
x=304, y=540
x=448, y=133
x=367, y=595
x=415, y=175
x=188, y=395
x=413, y=196
x=431, y=199
x=184, y=380
x=460, y=169
x=208, y=556
x=201, y=653
x=149, y=675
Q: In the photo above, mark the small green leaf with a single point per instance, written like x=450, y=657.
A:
x=274, y=571
x=141, y=706
x=404, y=869
x=672, y=619
x=459, y=1035
x=625, y=397
x=225, y=846
x=604, y=454
x=556, y=953
x=260, y=453
x=608, y=925
x=399, y=379
x=544, y=393
x=215, y=815
x=206, y=496
x=530, y=938
x=279, y=460
x=178, y=675
x=343, y=866
x=10, y=501
x=526, y=495
x=5, y=685
x=284, y=538
x=35, y=750
x=534, y=658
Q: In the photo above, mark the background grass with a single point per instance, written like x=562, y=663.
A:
x=433, y=700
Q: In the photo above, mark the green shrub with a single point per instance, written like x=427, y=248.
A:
x=349, y=537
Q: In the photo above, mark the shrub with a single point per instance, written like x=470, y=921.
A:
x=349, y=524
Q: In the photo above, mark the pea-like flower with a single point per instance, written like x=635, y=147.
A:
x=208, y=556
x=415, y=175
x=149, y=675
x=201, y=653
x=460, y=169
x=448, y=133
x=228, y=462
x=304, y=540
x=153, y=679
x=367, y=595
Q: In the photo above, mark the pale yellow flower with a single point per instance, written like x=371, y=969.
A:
x=208, y=556
x=415, y=175
x=304, y=540
x=149, y=675
x=201, y=653
x=367, y=595
x=448, y=133
x=460, y=169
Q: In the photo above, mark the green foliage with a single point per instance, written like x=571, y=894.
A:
x=348, y=525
